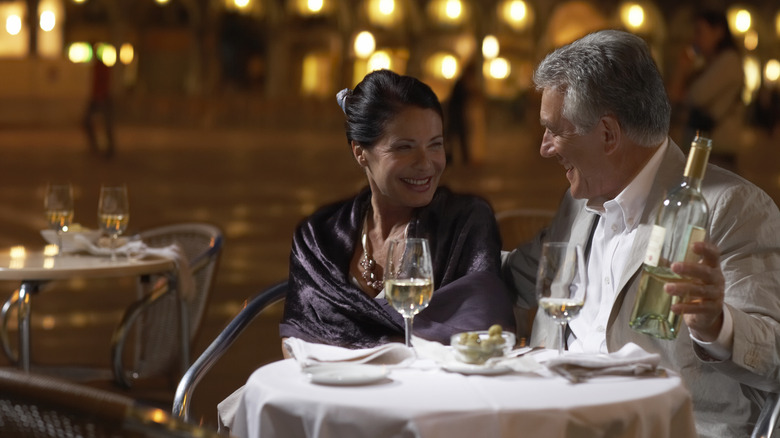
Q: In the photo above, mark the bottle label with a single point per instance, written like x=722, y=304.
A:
x=695, y=234
x=654, y=245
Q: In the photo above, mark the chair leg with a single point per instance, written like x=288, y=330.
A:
x=10, y=303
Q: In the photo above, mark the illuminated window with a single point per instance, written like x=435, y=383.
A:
x=310, y=8
x=739, y=20
x=448, y=12
x=126, y=53
x=48, y=20
x=772, y=71
x=384, y=12
x=752, y=69
x=379, y=60
x=490, y=48
x=80, y=52
x=13, y=25
x=316, y=77
x=516, y=13
x=751, y=40
x=365, y=44
x=498, y=68
x=633, y=16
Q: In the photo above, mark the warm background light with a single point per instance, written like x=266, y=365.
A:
x=13, y=24
x=751, y=40
x=752, y=68
x=386, y=7
x=126, y=53
x=772, y=71
x=490, y=47
x=499, y=68
x=379, y=60
x=80, y=52
x=48, y=20
x=364, y=44
x=739, y=20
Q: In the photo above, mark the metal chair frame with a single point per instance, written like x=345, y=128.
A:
x=252, y=308
x=767, y=423
x=48, y=407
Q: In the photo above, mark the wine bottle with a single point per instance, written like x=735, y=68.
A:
x=681, y=222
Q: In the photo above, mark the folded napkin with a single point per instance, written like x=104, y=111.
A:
x=631, y=359
x=309, y=354
x=137, y=249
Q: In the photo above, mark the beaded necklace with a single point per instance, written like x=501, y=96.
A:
x=367, y=263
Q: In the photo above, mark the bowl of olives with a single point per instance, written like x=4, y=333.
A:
x=478, y=346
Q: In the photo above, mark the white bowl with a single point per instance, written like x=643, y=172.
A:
x=69, y=243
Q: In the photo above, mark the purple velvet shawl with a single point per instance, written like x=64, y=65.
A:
x=324, y=306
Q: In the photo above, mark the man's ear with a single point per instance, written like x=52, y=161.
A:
x=359, y=153
x=610, y=133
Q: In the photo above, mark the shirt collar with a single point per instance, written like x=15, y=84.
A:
x=630, y=202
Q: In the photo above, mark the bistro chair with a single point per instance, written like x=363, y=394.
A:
x=33, y=405
x=163, y=340
x=767, y=424
x=519, y=225
x=252, y=308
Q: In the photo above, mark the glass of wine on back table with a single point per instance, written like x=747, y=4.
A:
x=59, y=209
x=561, y=284
x=113, y=213
x=409, y=279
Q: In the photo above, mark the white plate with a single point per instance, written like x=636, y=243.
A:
x=346, y=374
x=468, y=368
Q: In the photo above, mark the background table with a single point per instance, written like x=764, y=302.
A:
x=33, y=268
x=279, y=401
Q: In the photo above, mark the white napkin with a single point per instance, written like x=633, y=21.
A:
x=309, y=354
x=136, y=250
x=631, y=359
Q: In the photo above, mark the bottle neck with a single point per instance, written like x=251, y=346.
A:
x=697, y=164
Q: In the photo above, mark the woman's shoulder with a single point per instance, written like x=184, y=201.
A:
x=336, y=212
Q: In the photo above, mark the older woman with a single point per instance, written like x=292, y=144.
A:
x=394, y=128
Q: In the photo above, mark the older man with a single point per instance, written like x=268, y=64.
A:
x=606, y=118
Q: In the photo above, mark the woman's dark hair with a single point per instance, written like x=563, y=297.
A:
x=718, y=20
x=378, y=98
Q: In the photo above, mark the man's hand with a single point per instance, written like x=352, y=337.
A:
x=702, y=304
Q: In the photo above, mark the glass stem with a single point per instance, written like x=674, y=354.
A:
x=408, y=331
x=563, y=339
x=113, y=247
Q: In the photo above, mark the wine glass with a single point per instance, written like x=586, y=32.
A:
x=113, y=213
x=59, y=209
x=408, y=279
x=561, y=284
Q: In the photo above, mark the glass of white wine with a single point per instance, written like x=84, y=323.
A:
x=113, y=213
x=59, y=209
x=408, y=279
x=561, y=283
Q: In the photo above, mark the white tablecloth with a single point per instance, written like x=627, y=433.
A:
x=279, y=401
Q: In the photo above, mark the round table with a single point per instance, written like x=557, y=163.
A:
x=33, y=268
x=279, y=401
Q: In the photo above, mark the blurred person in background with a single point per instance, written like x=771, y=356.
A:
x=99, y=115
x=706, y=87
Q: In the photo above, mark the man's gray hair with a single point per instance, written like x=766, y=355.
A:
x=609, y=72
